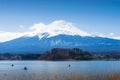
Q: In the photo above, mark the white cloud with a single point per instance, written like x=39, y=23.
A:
x=100, y=34
x=54, y=28
x=113, y=35
x=117, y=37
x=110, y=35
x=6, y=36
x=21, y=26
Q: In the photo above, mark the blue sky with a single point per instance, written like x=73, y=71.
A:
x=102, y=16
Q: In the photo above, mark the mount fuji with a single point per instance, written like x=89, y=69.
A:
x=59, y=34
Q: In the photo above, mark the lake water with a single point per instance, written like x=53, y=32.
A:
x=45, y=70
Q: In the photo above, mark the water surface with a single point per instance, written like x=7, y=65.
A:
x=41, y=70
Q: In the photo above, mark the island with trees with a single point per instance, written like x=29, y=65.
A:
x=61, y=54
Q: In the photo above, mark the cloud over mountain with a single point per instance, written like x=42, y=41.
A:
x=52, y=29
x=6, y=36
x=55, y=28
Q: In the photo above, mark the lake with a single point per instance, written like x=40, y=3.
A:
x=48, y=70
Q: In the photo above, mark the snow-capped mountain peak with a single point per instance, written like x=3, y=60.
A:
x=55, y=28
x=58, y=34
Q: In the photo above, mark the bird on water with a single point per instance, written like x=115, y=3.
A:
x=12, y=65
x=69, y=65
x=25, y=68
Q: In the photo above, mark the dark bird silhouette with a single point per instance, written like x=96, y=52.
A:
x=25, y=68
x=12, y=65
x=69, y=65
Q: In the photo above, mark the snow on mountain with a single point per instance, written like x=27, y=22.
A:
x=58, y=34
x=36, y=45
x=55, y=28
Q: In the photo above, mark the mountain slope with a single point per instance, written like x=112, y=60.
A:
x=59, y=34
x=34, y=44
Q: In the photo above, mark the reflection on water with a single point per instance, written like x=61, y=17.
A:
x=47, y=70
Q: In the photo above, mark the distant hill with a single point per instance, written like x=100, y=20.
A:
x=58, y=54
x=61, y=54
